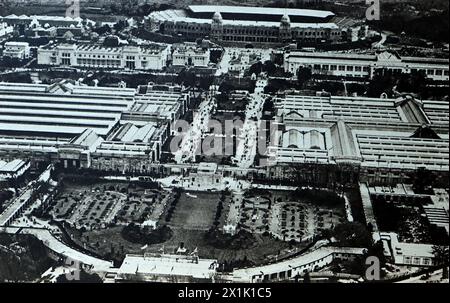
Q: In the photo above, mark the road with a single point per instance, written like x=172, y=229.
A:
x=435, y=277
x=248, y=138
x=15, y=206
x=193, y=137
x=61, y=248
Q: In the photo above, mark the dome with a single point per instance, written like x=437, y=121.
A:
x=217, y=17
x=285, y=19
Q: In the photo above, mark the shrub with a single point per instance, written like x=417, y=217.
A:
x=135, y=234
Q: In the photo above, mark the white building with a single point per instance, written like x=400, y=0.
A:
x=5, y=29
x=290, y=268
x=166, y=268
x=152, y=57
x=123, y=130
x=357, y=33
x=190, y=54
x=41, y=20
x=13, y=169
x=355, y=65
x=19, y=50
x=411, y=254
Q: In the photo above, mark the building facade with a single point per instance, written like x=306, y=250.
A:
x=407, y=254
x=346, y=65
x=42, y=20
x=165, y=268
x=255, y=25
x=5, y=29
x=122, y=131
x=190, y=54
x=96, y=56
x=13, y=169
x=381, y=141
x=18, y=50
x=295, y=267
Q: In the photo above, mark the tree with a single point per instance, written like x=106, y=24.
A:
x=381, y=82
x=215, y=55
x=352, y=234
x=119, y=26
x=307, y=278
x=441, y=257
x=84, y=278
x=303, y=75
x=256, y=68
x=187, y=78
x=111, y=41
x=103, y=30
x=269, y=67
x=423, y=180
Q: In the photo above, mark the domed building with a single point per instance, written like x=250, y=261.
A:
x=217, y=18
x=217, y=26
x=285, y=28
x=247, y=25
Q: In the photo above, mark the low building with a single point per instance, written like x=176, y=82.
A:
x=18, y=50
x=166, y=268
x=13, y=169
x=124, y=130
x=242, y=60
x=149, y=57
x=41, y=20
x=69, y=33
x=295, y=267
x=411, y=254
x=357, y=65
x=40, y=31
x=190, y=54
x=355, y=33
x=206, y=173
x=5, y=29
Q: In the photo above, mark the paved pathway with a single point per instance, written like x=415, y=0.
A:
x=248, y=137
x=61, y=248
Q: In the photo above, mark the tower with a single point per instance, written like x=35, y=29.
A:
x=285, y=28
x=217, y=26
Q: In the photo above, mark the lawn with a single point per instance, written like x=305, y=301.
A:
x=195, y=211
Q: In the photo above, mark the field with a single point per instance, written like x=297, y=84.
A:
x=195, y=211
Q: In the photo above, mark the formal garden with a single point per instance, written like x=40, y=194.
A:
x=291, y=215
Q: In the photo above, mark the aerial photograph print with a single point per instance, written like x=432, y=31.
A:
x=224, y=149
